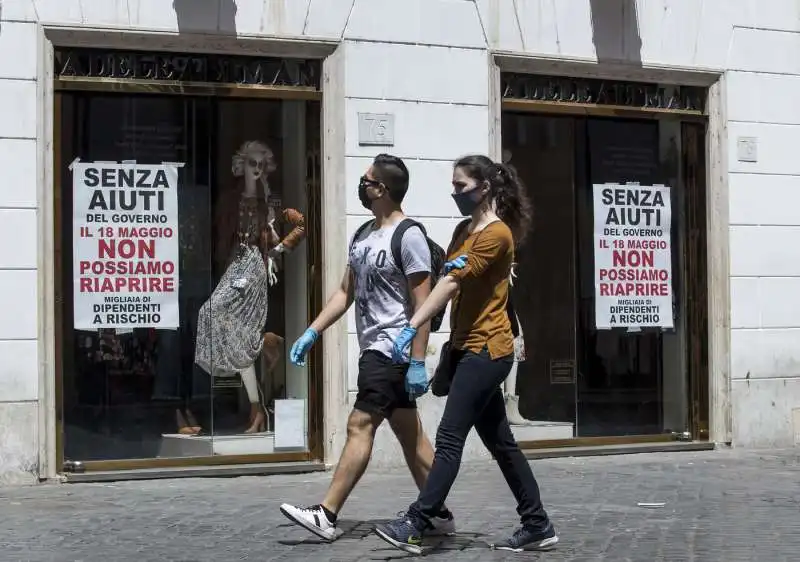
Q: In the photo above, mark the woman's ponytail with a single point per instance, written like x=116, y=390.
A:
x=511, y=201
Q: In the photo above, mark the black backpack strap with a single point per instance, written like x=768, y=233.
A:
x=359, y=231
x=512, y=314
x=397, y=240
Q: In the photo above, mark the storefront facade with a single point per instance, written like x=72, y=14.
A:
x=136, y=136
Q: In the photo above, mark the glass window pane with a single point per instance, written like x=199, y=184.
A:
x=542, y=149
x=126, y=389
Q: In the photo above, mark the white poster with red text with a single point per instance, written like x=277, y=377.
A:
x=632, y=256
x=125, y=245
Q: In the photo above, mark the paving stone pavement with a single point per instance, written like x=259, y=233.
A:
x=724, y=506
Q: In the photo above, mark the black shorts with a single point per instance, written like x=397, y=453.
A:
x=381, y=385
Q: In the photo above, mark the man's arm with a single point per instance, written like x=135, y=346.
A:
x=416, y=257
x=337, y=305
x=420, y=285
x=445, y=289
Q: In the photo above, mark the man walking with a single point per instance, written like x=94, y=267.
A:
x=386, y=294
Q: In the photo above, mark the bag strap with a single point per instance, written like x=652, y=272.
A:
x=456, y=234
x=397, y=240
x=460, y=227
x=359, y=231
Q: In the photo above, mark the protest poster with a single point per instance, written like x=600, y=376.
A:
x=125, y=245
x=632, y=256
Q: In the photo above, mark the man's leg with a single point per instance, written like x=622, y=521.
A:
x=361, y=428
x=370, y=409
x=417, y=448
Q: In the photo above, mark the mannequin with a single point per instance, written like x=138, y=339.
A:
x=231, y=322
x=510, y=384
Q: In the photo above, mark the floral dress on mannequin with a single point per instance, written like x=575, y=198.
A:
x=231, y=322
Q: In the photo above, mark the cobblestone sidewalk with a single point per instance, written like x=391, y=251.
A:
x=721, y=506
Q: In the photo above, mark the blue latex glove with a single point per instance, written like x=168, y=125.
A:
x=456, y=263
x=416, y=379
x=299, y=349
x=402, y=343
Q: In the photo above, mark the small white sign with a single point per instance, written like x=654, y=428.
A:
x=747, y=148
x=376, y=129
x=290, y=424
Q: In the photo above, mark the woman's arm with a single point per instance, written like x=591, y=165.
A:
x=445, y=289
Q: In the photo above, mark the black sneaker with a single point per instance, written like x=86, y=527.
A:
x=527, y=538
x=401, y=533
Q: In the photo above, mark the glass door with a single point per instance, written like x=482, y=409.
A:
x=579, y=380
x=542, y=149
x=633, y=379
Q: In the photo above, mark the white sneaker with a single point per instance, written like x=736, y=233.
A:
x=443, y=526
x=312, y=518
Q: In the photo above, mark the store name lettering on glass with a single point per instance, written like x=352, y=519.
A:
x=92, y=63
x=602, y=92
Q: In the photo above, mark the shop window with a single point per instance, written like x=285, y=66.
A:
x=217, y=382
x=580, y=378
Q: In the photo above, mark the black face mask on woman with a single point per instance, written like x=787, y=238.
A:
x=468, y=201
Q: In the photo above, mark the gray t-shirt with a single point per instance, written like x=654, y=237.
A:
x=382, y=295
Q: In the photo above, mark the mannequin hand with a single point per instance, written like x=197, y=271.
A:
x=458, y=263
x=297, y=354
x=277, y=251
x=272, y=272
x=272, y=232
x=416, y=379
x=402, y=343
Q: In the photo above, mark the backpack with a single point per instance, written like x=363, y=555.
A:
x=438, y=256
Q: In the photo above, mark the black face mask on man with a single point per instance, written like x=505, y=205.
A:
x=468, y=201
x=363, y=196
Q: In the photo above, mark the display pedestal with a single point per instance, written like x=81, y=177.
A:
x=542, y=431
x=531, y=430
x=176, y=445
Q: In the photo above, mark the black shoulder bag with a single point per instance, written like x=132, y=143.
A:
x=443, y=375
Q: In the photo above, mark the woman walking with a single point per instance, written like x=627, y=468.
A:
x=480, y=356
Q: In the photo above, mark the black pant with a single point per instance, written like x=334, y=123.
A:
x=381, y=385
x=475, y=399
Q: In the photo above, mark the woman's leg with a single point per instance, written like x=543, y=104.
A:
x=250, y=384
x=475, y=381
x=493, y=429
x=470, y=391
